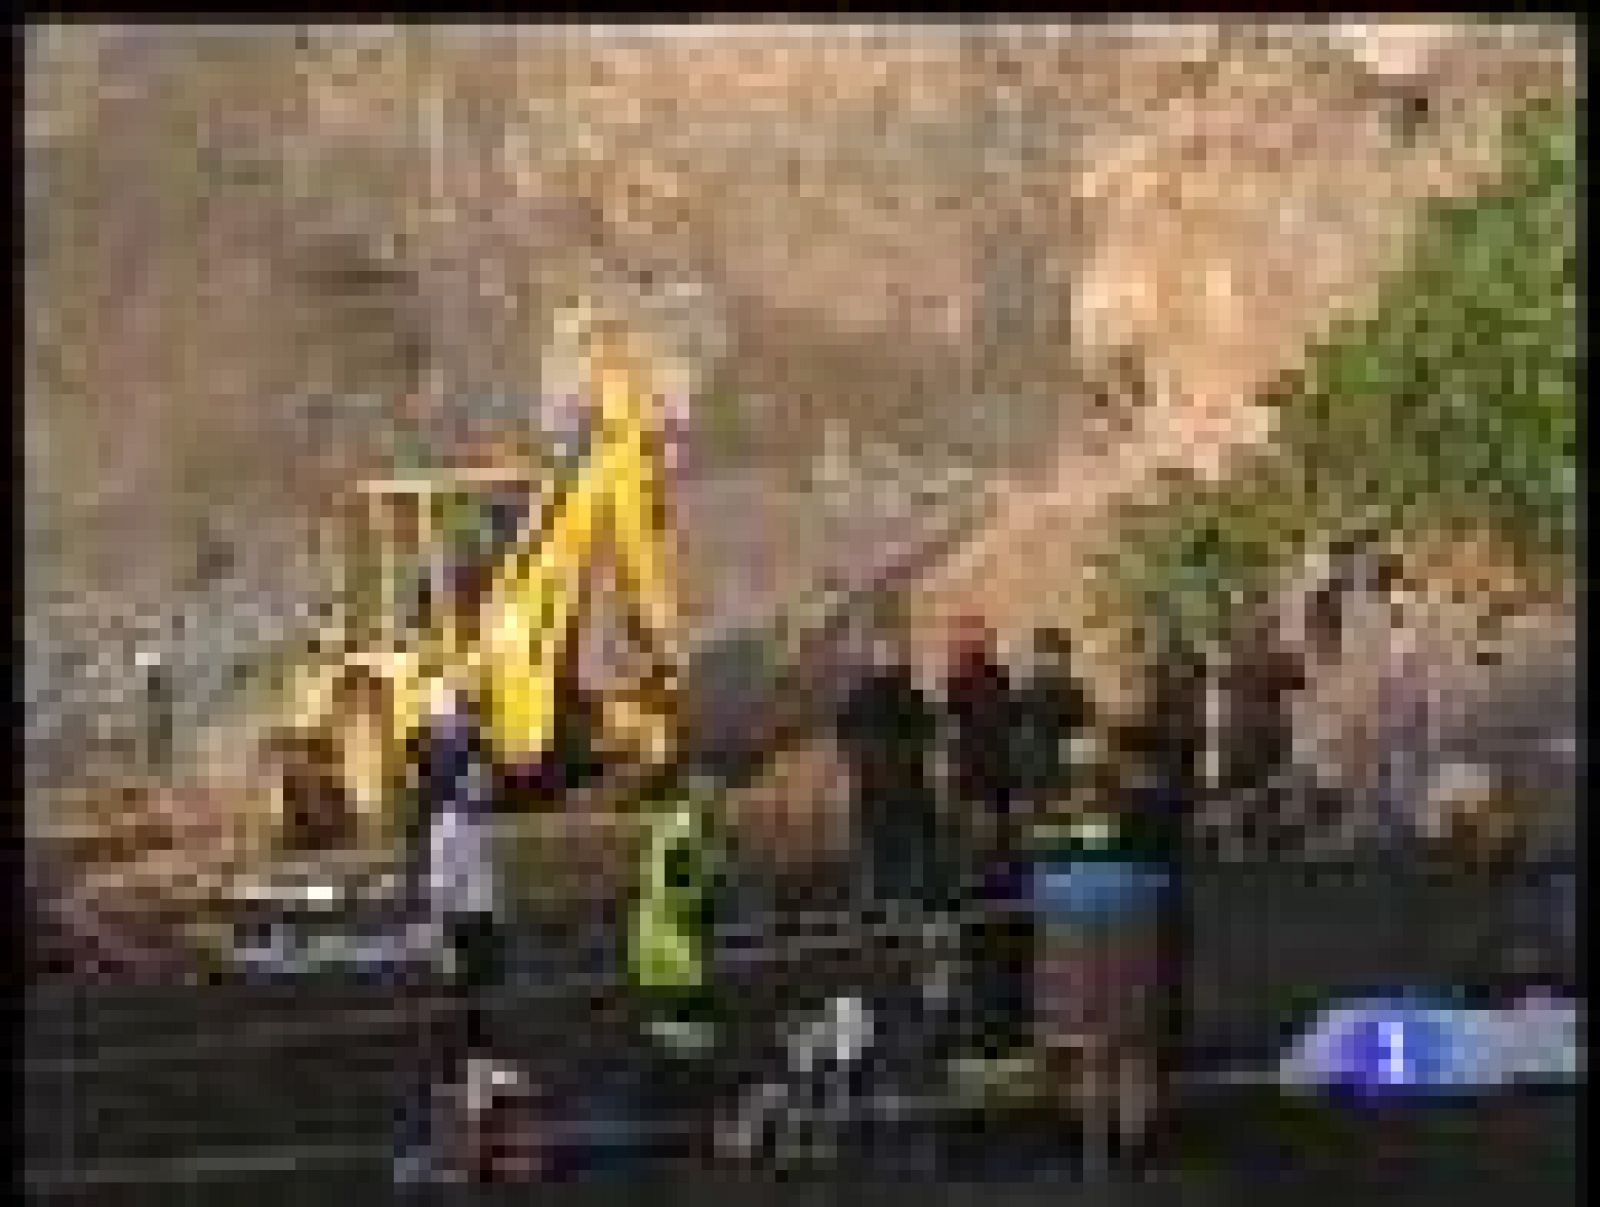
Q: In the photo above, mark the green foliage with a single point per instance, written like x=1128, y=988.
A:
x=1455, y=402
x=1457, y=399
x=1193, y=559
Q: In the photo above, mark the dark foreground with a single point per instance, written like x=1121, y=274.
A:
x=224, y=1093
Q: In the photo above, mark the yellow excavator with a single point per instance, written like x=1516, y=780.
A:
x=513, y=642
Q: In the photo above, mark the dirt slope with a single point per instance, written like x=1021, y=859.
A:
x=242, y=248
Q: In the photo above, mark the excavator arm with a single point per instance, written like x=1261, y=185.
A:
x=529, y=617
x=533, y=609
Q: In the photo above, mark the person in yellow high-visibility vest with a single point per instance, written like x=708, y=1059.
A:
x=682, y=878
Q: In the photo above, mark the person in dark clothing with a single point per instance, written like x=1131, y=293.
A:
x=886, y=730
x=1052, y=710
x=416, y=821
x=981, y=711
x=1156, y=817
x=1173, y=732
x=1260, y=678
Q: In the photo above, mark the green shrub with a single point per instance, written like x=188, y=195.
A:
x=1453, y=404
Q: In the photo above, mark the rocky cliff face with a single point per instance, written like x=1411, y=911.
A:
x=243, y=245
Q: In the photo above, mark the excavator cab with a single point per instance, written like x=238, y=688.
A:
x=406, y=612
x=418, y=577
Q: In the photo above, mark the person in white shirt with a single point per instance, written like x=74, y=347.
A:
x=462, y=883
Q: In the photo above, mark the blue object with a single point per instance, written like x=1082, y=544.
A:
x=1095, y=889
x=1408, y=1044
x=1396, y=1049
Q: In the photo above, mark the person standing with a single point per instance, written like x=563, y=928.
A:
x=1110, y=974
x=450, y=887
x=1157, y=818
x=684, y=895
x=674, y=913
x=1175, y=725
x=1053, y=710
x=885, y=730
x=458, y=794
x=1261, y=677
x=981, y=712
x=417, y=812
x=981, y=709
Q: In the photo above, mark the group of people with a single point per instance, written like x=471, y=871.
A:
x=1055, y=975
x=1009, y=744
